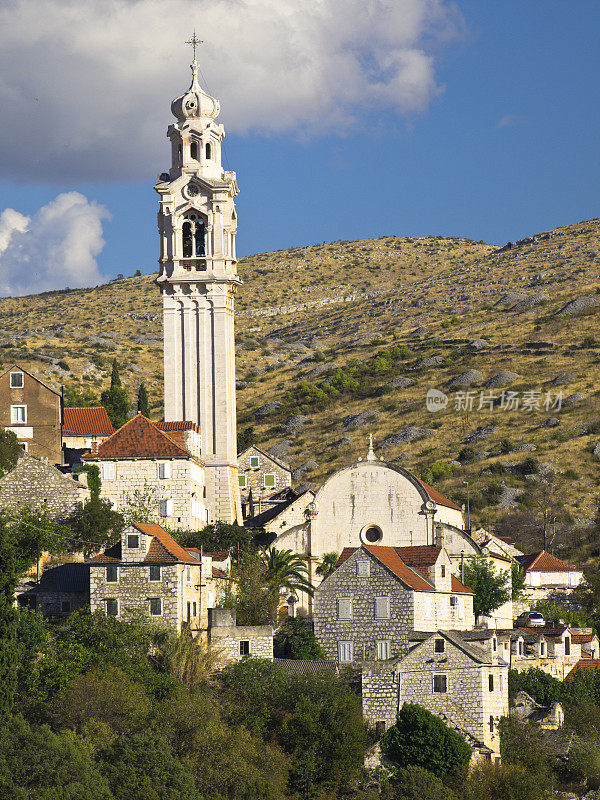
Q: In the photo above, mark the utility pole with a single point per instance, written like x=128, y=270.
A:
x=468, y=508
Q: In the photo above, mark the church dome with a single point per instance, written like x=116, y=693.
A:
x=195, y=103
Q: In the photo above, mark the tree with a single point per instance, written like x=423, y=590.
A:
x=285, y=571
x=187, y=657
x=421, y=739
x=517, y=582
x=116, y=400
x=143, y=405
x=10, y=450
x=255, y=600
x=94, y=525
x=246, y=438
x=416, y=783
x=142, y=766
x=295, y=639
x=491, y=588
x=217, y=537
x=141, y=505
x=327, y=564
x=81, y=398
x=8, y=620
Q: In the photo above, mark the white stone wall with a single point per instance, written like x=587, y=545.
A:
x=187, y=478
x=372, y=493
x=433, y=610
x=227, y=640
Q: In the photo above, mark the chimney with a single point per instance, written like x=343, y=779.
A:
x=94, y=447
x=439, y=536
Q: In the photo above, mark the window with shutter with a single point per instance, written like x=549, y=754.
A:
x=16, y=380
x=363, y=569
x=154, y=572
x=345, y=651
x=344, y=608
x=165, y=508
x=440, y=684
x=242, y=481
x=382, y=607
x=164, y=469
x=254, y=463
x=155, y=604
x=269, y=480
x=112, y=607
x=491, y=683
x=108, y=471
x=112, y=574
x=383, y=649
x=439, y=646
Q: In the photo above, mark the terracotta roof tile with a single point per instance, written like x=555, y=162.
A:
x=184, y=425
x=544, y=562
x=582, y=638
x=163, y=548
x=139, y=438
x=589, y=663
x=110, y=556
x=438, y=497
x=457, y=586
x=219, y=573
x=390, y=559
x=91, y=421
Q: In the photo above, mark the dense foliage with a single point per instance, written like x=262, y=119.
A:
x=10, y=450
x=115, y=399
x=295, y=639
x=421, y=739
x=491, y=588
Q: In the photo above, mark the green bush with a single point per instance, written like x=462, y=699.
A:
x=421, y=739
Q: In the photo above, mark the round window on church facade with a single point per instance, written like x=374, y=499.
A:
x=372, y=534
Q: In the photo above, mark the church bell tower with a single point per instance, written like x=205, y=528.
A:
x=198, y=280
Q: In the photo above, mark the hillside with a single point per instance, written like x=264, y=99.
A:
x=366, y=328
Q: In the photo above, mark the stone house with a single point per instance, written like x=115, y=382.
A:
x=36, y=484
x=161, y=466
x=262, y=474
x=146, y=573
x=33, y=412
x=82, y=429
x=554, y=650
x=463, y=683
x=377, y=596
x=525, y=708
x=236, y=642
x=547, y=576
x=60, y=591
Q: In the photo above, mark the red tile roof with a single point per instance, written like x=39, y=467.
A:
x=184, y=425
x=407, y=564
x=163, y=548
x=582, y=638
x=457, y=586
x=589, y=663
x=139, y=438
x=438, y=497
x=544, y=562
x=92, y=421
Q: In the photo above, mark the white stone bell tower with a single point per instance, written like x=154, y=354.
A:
x=198, y=280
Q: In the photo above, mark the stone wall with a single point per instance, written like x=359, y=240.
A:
x=228, y=641
x=255, y=476
x=379, y=694
x=39, y=485
x=41, y=431
x=141, y=475
x=363, y=630
x=50, y=603
x=133, y=590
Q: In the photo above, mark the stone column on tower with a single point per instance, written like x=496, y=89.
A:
x=198, y=280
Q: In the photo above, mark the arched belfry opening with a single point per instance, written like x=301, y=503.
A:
x=208, y=151
x=193, y=236
x=194, y=151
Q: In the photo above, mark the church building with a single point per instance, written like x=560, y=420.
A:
x=198, y=280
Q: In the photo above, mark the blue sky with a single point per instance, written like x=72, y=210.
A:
x=504, y=145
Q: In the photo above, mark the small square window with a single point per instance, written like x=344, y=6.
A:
x=244, y=647
x=439, y=646
x=133, y=541
x=155, y=604
x=112, y=607
x=242, y=481
x=107, y=471
x=16, y=380
x=112, y=574
x=440, y=684
x=65, y=606
x=269, y=481
x=154, y=572
x=363, y=569
x=18, y=413
x=254, y=462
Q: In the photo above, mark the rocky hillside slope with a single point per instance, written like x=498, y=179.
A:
x=338, y=340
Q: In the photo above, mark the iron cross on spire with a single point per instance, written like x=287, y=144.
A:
x=194, y=42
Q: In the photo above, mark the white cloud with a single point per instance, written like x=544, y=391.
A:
x=85, y=87
x=507, y=119
x=56, y=247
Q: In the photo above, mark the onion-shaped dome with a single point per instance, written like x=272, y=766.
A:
x=195, y=103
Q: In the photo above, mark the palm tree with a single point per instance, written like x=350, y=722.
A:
x=327, y=564
x=284, y=570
